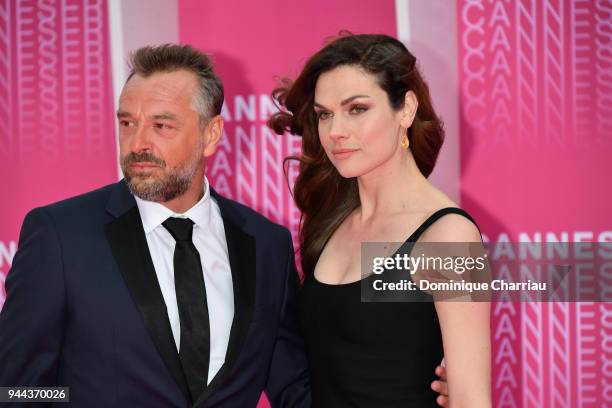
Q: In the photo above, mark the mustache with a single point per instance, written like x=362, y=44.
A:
x=144, y=157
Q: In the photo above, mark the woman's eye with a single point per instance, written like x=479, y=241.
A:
x=322, y=115
x=357, y=109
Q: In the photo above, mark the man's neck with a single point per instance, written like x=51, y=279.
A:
x=184, y=202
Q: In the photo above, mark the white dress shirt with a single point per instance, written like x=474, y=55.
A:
x=209, y=239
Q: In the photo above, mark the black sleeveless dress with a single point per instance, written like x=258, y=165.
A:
x=370, y=354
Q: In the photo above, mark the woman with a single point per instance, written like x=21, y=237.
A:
x=370, y=139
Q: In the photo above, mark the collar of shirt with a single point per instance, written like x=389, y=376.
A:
x=153, y=213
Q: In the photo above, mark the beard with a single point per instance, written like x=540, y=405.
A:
x=173, y=183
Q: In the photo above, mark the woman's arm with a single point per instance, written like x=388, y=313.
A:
x=465, y=326
x=467, y=352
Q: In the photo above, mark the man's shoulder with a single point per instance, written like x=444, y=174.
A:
x=89, y=200
x=81, y=209
x=75, y=216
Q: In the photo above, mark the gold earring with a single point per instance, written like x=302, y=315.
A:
x=405, y=142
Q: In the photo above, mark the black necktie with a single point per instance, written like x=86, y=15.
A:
x=194, y=350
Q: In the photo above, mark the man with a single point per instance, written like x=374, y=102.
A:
x=156, y=291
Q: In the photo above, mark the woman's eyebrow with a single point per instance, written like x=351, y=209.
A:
x=344, y=102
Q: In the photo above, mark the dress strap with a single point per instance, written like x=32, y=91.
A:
x=434, y=217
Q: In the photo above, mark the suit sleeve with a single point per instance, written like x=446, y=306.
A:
x=33, y=317
x=288, y=380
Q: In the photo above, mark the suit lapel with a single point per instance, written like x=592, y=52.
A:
x=129, y=247
x=242, y=259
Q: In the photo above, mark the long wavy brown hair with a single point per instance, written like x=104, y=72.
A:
x=323, y=196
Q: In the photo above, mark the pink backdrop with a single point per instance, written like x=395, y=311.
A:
x=536, y=140
x=56, y=108
x=535, y=129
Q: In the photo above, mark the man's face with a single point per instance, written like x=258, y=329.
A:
x=162, y=143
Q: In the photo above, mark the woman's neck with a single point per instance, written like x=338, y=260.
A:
x=394, y=187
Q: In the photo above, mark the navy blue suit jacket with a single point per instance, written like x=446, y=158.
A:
x=84, y=310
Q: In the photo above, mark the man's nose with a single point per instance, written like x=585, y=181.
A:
x=140, y=140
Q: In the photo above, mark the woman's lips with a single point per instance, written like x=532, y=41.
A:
x=342, y=154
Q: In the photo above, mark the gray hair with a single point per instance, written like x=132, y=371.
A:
x=148, y=60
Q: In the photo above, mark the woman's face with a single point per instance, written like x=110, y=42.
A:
x=357, y=126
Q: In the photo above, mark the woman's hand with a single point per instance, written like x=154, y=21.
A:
x=441, y=387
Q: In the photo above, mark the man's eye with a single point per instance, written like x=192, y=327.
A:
x=322, y=115
x=126, y=123
x=357, y=109
x=162, y=126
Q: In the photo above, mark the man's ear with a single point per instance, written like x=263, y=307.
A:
x=212, y=135
x=409, y=110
